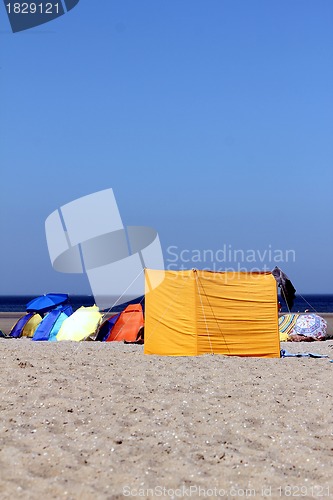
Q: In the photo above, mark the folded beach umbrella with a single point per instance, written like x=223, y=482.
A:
x=45, y=303
x=287, y=288
x=81, y=324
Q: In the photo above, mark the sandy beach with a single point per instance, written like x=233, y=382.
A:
x=97, y=421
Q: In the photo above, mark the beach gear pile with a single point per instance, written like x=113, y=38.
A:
x=45, y=315
x=302, y=327
x=55, y=321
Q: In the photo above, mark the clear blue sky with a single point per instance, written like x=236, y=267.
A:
x=211, y=121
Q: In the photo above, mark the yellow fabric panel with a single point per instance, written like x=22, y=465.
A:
x=31, y=325
x=237, y=314
x=198, y=312
x=170, y=326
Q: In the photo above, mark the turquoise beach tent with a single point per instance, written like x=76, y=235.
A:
x=56, y=327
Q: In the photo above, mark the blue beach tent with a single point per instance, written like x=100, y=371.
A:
x=51, y=323
x=16, y=331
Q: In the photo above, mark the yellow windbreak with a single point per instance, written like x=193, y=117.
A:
x=170, y=318
x=197, y=312
x=237, y=314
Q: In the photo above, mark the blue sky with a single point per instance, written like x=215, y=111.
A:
x=211, y=121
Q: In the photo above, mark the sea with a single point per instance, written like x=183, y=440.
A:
x=18, y=303
x=313, y=303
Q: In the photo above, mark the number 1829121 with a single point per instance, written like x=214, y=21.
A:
x=32, y=8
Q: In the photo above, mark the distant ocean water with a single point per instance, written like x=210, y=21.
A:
x=17, y=303
x=314, y=303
